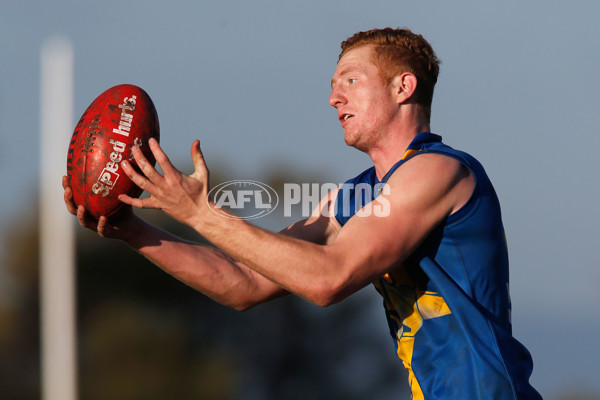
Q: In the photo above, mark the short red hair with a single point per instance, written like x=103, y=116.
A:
x=397, y=51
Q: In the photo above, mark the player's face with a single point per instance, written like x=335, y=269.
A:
x=365, y=104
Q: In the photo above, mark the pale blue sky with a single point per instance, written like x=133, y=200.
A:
x=518, y=89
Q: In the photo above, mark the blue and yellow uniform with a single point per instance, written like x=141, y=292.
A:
x=448, y=306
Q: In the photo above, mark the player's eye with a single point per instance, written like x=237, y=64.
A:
x=351, y=81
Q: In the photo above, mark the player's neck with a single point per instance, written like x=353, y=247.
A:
x=391, y=149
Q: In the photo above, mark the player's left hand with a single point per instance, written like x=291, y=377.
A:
x=181, y=196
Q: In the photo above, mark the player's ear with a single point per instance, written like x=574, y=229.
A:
x=404, y=85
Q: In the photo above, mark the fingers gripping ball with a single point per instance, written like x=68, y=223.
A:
x=120, y=118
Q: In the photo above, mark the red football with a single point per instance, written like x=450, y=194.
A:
x=121, y=117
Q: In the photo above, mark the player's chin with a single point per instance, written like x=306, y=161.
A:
x=354, y=141
x=349, y=138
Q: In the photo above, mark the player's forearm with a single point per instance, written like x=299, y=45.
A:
x=205, y=269
x=309, y=270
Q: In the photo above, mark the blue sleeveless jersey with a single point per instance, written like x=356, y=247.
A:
x=448, y=305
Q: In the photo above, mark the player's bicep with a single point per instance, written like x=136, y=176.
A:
x=417, y=198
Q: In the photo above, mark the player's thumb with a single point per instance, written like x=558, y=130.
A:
x=200, y=169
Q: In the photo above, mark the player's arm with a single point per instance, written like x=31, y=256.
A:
x=422, y=193
x=206, y=269
x=320, y=227
x=214, y=272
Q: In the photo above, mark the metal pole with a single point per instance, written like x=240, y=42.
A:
x=57, y=250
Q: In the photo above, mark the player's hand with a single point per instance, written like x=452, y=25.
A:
x=121, y=230
x=183, y=197
x=68, y=196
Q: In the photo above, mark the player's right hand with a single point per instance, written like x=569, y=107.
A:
x=121, y=227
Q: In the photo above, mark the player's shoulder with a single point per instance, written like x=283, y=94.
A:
x=431, y=166
x=433, y=179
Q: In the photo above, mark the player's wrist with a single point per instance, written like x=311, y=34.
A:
x=134, y=231
x=200, y=219
x=205, y=221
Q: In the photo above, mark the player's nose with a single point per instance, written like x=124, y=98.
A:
x=336, y=97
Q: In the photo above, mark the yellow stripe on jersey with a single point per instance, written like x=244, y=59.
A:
x=409, y=306
x=409, y=153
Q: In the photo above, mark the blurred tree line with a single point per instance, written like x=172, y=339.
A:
x=142, y=334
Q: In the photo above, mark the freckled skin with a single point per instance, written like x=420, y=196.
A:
x=358, y=89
